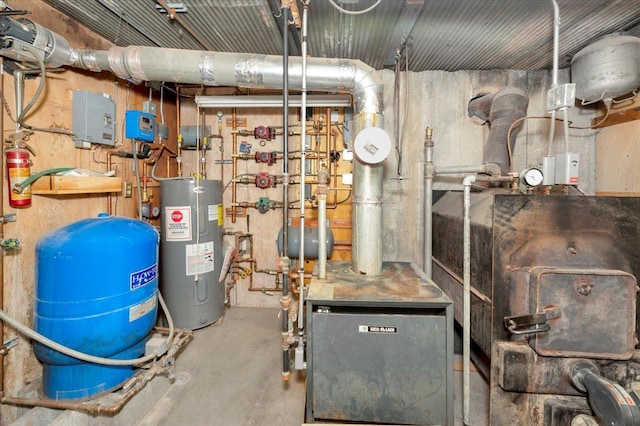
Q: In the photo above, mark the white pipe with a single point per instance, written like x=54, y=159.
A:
x=489, y=168
x=466, y=305
x=83, y=356
x=556, y=42
x=303, y=169
x=428, y=204
x=554, y=72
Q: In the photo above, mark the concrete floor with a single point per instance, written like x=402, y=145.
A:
x=229, y=374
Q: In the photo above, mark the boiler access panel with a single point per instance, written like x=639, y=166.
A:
x=380, y=348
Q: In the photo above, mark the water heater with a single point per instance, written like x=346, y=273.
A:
x=191, y=251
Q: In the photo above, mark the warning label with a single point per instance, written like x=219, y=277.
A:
x=199, y=258
x=177, y=223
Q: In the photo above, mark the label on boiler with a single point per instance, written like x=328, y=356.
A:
x=381, y=329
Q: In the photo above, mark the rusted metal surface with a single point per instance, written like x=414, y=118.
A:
x=574, y=257
x=380, y=349
x=396, y=283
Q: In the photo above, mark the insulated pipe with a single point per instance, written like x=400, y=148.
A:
x=466, y=308
x=141, y=63
x=502, y=109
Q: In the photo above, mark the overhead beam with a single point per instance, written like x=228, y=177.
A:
x=407, y=20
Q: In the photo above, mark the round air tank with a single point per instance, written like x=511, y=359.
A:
x=191, y=251
x=96, y=292
x=311, y=242
x=607, y=69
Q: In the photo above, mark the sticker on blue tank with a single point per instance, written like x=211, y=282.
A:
x=143, y=277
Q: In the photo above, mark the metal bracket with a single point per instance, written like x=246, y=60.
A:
x=8, y=344
x=531, y=323
x=10, y=217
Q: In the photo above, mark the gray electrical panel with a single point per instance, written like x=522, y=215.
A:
x=94, y=119
x=380, y=349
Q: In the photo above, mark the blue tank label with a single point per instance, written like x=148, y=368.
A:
x=143, y=277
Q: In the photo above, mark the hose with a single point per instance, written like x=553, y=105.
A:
x=83, y=356
x=19, y=187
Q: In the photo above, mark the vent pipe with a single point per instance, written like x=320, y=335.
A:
x=139, y=63
x=501, y=109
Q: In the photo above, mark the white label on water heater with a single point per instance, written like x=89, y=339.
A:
x=212, y=212
x=177, y=223
x=142, y=309
x=199, y=258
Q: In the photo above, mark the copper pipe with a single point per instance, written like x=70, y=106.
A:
x=179, y=144
x=109, y=196
x=234, y=163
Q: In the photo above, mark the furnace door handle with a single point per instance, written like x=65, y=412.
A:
x=527, y=324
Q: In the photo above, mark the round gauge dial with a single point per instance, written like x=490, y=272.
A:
x=532, y=177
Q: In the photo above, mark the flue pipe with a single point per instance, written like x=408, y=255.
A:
x=141, y=63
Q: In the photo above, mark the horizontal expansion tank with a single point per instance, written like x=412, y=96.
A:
x=96, y=292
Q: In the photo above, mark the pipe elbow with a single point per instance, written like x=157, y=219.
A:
x=468, y=180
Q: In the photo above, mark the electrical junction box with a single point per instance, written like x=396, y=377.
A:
x=94, y=119
x=139, y=125
x=561, y=97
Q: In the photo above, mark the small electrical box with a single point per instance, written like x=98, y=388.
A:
x=139, y=125
x=94, y=119
x=567, y=169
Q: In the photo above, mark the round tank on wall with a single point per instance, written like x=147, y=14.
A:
x=607, y=69
x=311, y=242
x=96, y=292
x=191, y=251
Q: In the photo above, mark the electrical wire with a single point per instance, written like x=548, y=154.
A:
x=36, y=96
x=354, y=12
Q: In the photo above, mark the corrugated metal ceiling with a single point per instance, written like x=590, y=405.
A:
x=447, y=34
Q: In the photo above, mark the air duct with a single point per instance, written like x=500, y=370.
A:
x=140, y=63
x=501, y=109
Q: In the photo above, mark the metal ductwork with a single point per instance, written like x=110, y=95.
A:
x=140, y=63
x=501, y=109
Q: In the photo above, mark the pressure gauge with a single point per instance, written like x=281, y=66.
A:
x=531, y=177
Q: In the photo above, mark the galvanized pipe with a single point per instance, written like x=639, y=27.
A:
x=427, y=265
x=488, y=168
x=466, y=308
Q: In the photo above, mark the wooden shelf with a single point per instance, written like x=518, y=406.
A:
x=61, y=185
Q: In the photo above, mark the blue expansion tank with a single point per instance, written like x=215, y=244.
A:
x=96, y=292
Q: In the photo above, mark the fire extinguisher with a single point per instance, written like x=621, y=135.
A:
x=18, y=170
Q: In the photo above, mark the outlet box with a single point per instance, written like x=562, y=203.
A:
x=127, y=190
x=561, y=96
x=149, y=108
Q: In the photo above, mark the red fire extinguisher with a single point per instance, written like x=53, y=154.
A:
x=18, y=170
